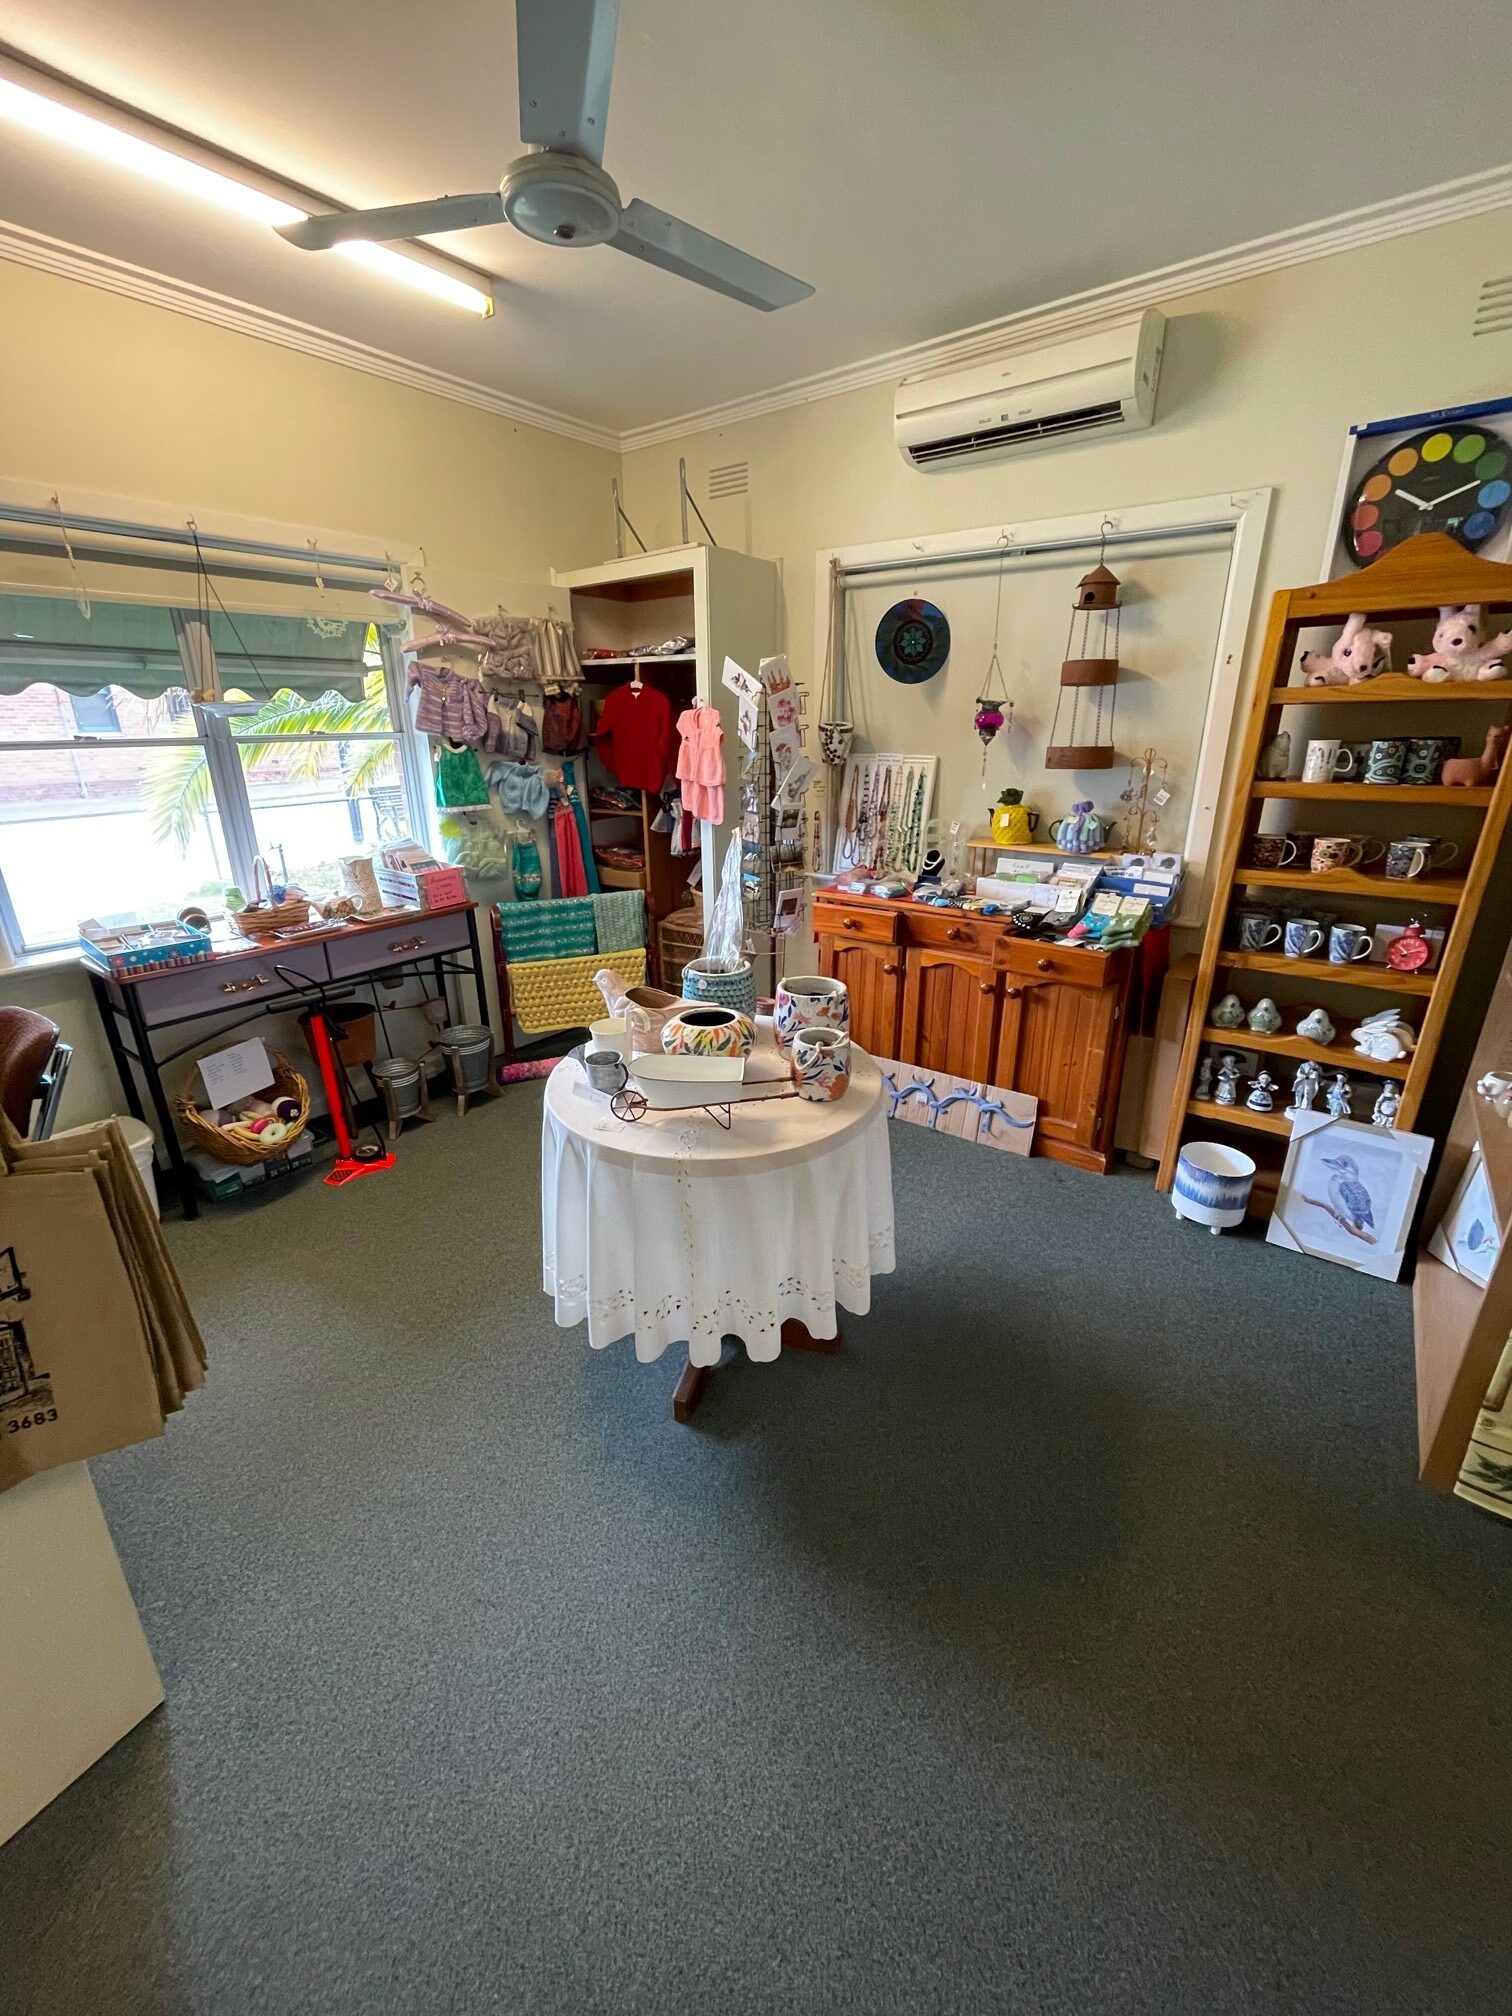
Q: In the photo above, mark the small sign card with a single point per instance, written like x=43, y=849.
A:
x=236, y=1073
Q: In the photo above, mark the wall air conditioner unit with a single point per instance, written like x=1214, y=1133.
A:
x=1103, y=383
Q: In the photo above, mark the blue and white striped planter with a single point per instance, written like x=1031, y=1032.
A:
x=1212, y=1185
x=733, y=989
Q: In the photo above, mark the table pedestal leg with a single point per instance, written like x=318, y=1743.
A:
x=797, y=1336
x=689, y=1391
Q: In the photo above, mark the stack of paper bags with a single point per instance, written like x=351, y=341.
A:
x=97, y=1343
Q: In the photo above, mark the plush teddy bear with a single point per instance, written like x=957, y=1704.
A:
x=1458, y=652
x=1359, y=654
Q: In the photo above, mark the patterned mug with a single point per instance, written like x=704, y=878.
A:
x=1426, y=757
x=821, y=1064
x=1388, y=754
x=1258, y=930
x=1415, y=853
x=1303, y=937
x=1349, y=942
x=1343, y=850
x=808, y=1000
x=1272, y=850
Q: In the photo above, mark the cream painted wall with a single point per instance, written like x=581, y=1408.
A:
x=106, y=398
x=1261, y=381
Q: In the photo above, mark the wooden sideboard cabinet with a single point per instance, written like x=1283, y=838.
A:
x=953, y=991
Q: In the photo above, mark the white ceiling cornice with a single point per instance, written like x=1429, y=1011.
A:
x=96, y=269
x=1443, y=204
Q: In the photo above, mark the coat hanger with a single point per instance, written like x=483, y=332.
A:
x=637, y=684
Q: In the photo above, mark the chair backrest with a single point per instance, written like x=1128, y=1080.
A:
x=27, y=1042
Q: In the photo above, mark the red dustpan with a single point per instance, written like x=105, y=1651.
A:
x=353, y=1159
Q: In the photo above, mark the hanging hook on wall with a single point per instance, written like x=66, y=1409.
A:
x=81, y=593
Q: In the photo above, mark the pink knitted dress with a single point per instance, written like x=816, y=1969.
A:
x=700, y=763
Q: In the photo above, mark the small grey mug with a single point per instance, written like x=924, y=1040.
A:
x=606, y=1070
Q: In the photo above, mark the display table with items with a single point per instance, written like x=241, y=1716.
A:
x=224, y=982
x=757, y=1212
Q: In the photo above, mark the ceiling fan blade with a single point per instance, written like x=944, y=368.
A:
x=566, y=63
x=400, y=220
x=650, y=234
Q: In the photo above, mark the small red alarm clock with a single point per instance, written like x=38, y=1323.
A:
x=1409, y=951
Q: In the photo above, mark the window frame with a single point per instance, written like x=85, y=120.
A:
x=214, y=734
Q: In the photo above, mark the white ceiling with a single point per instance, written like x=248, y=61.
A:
x=926, y=164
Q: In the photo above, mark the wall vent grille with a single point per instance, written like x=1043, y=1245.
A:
x=733, y=480
x=1493, y=311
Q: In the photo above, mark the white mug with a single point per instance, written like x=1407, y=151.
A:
x=1326, y=760
x=612, y=1033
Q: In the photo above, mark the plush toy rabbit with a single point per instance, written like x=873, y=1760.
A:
x=1458, y=652
x=1359, y=654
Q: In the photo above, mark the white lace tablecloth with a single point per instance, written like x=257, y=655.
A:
x=675, y=1231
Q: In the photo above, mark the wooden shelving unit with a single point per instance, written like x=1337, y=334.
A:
x=1410, y=583
x=1459, y=1328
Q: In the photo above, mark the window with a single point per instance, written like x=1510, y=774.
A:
x=118, y=793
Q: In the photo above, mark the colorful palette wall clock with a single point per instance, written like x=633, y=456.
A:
x=1448, y=472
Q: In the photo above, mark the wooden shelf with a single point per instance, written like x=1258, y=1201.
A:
x=985, y=844
x=1391, y=686
x=1444, y=890
x=640, y=658
x=1239, y=1116
x=1337, y=1056
x=1381, y=979
x=1343, y=792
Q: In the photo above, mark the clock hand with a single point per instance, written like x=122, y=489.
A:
x=1473, y=484
x=1408, y=498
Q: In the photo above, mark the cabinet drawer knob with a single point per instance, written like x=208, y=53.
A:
x=984, y=987
x=954, y=931
x=1013, y=993
x=406, y=944
x=1045, y=965
x=890, y=966
x=242, y=986
x=849, y=924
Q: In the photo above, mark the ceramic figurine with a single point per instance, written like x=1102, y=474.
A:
x=1458, y=652
x=1361, y=653
x=1228, y=1079
x=1260, y=1099
x=1228, y=1014
x=1384, y=1037
x=1275, y=757
x=1306, y=1087
x=1480, y=769
x=1265, y=1017
x=1496, y=1087
x=1204, y=1079
x=1338, y=1099
x=1316, y=1026
x=1384, y=1111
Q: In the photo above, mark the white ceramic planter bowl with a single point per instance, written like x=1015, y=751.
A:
x=1212, y=1184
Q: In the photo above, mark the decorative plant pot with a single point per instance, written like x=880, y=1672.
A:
x=401, y=1082
x=730, y=985
x=1212, y=1184
x=809, y=1001
x=706, y=1030
x=469, y=1047
x=835, y=741
x=821, y=1064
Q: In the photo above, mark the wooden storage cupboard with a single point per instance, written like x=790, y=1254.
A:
x=960, y=993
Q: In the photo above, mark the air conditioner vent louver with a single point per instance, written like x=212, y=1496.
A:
x=733, y=480
x=1493, y=310
x=983, y=440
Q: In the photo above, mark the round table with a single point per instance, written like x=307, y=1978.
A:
x=674, y=1229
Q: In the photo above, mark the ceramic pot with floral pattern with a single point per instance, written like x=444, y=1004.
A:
x=809, y=1000
x=704, y=1029
x=821, y=1064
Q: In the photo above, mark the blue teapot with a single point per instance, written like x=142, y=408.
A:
x=1081, y=831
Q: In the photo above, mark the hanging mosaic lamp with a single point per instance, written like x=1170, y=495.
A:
x=1088, y=676
x=989, y=718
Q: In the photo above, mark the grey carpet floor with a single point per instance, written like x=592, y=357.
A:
x=1078, y=1640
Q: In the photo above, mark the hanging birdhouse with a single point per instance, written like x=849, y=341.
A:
x=1089, y=674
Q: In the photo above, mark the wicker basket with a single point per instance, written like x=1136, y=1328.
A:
x=679, y=938
x=263, y=914
x=201, y=1133
x=549, y=994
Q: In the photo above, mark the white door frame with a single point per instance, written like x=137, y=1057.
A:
x=1244, y=514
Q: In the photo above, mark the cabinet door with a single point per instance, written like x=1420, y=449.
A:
x=1056, y=1041
x=949, y=1003
x=873, y=978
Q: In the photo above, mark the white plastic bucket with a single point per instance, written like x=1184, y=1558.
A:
x=139, y=1140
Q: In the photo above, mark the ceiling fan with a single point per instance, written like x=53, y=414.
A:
x=558, y=192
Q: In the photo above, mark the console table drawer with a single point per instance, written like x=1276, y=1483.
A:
x=834, y=920
x=953, y=931
x=420, y=937
x=229, y=983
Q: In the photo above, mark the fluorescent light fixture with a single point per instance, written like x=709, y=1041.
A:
x=107, y=136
